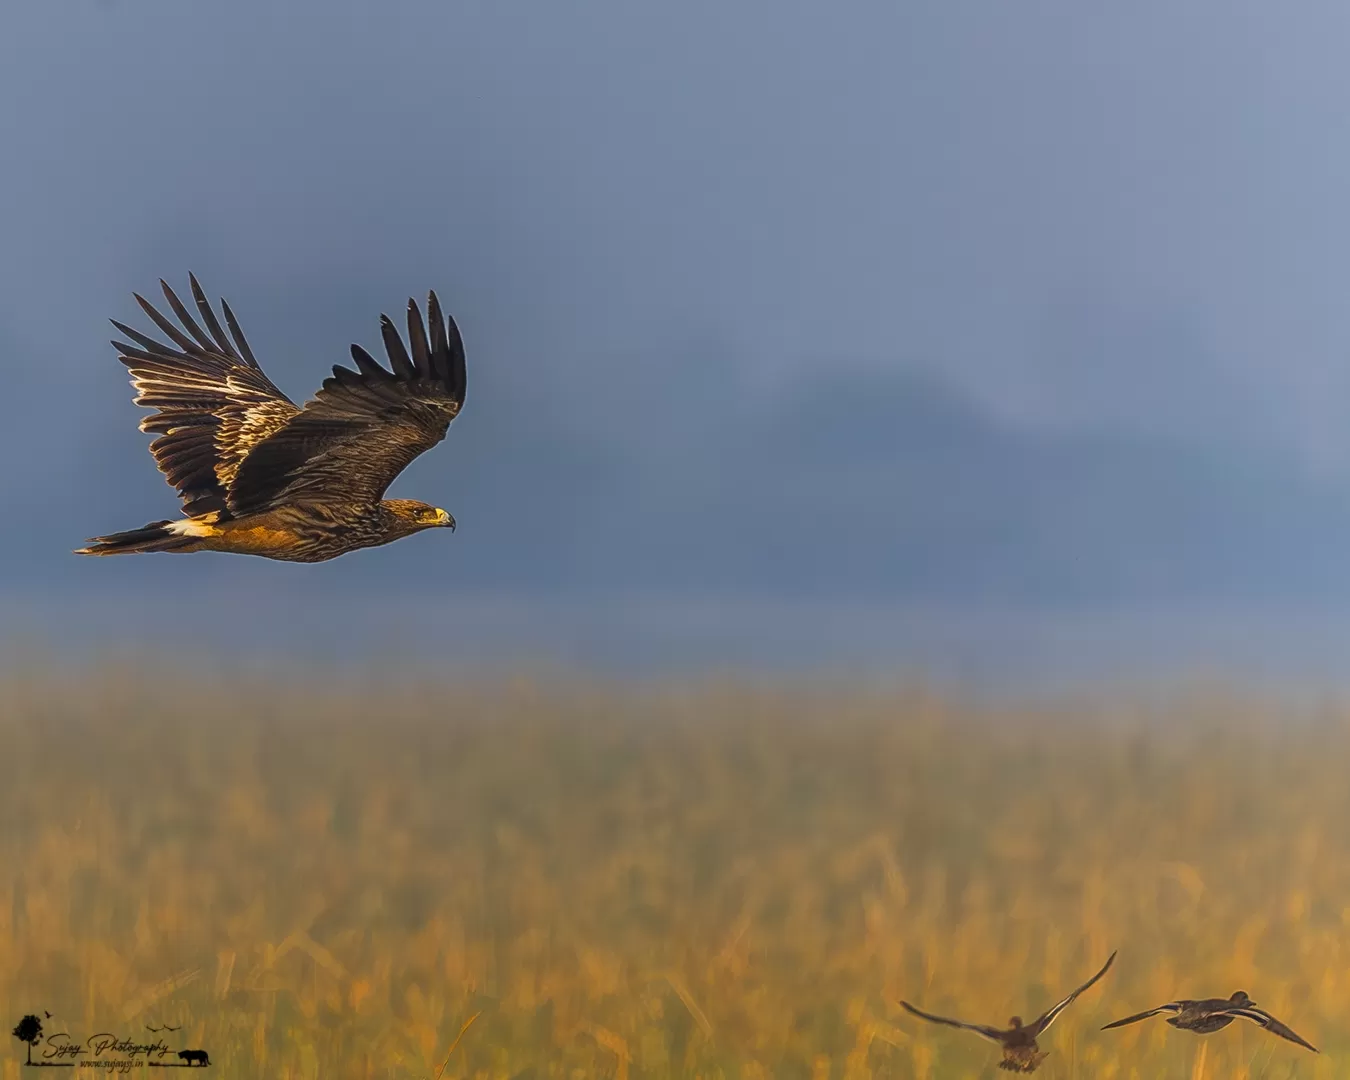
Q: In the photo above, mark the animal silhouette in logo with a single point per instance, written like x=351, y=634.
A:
x=194, y=1057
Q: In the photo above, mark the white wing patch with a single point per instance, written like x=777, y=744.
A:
x=188, y=527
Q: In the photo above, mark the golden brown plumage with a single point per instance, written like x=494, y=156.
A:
x=260, y=476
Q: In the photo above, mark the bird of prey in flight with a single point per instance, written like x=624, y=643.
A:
x=259, y=475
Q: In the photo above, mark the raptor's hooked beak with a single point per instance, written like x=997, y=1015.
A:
x=443, y=518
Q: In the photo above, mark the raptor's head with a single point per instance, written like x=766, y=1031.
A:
x=412, y=516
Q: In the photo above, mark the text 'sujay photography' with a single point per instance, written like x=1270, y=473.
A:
x=719, y=542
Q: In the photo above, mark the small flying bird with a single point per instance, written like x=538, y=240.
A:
x=1020, y=1052
x=257, y=474
x=1210, y=1014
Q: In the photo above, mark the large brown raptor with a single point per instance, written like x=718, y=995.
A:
x=259, y=475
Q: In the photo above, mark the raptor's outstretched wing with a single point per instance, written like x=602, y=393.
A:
x=213, y=402
x=363, y=427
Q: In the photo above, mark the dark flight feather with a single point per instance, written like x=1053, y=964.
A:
x=175, y=335
x=398, y=355
x=209, y=317
x=240, y=342
x=417, y=341
x=185, y=317
x=369, y=366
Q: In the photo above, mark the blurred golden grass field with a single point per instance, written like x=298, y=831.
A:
x=323, y=880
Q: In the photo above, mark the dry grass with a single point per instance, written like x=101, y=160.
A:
x=706, y=882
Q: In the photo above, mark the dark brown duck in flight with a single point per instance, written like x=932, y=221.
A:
x=259, y=475
x=1211, y=1014
x=1020, y=1052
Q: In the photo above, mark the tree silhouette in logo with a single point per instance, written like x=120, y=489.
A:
x=29, y=1031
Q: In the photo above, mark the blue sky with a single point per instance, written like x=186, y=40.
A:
x=952, y=308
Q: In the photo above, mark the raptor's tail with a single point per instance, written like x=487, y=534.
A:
x=157, y=536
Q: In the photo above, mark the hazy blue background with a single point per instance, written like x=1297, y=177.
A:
x=975, y=338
